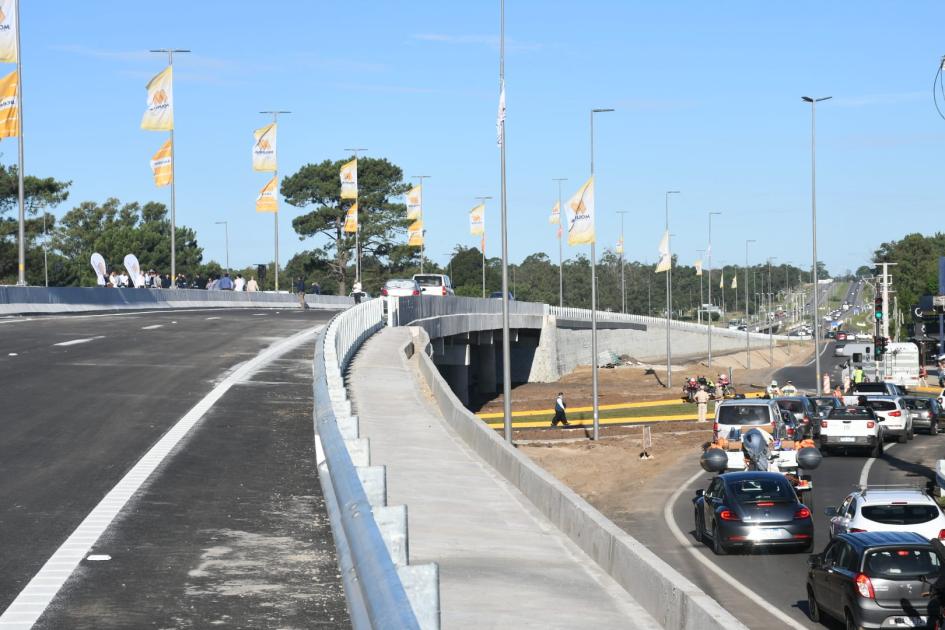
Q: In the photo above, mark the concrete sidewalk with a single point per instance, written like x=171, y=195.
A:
x=502, y=564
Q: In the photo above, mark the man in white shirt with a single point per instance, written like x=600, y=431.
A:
x=239, y=284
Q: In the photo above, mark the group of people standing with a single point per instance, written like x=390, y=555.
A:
x=154, y=280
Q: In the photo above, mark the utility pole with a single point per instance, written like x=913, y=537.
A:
x=886, y=281
x=747, y=327
x=669, y=295
x=701, y=300
x=561, y=215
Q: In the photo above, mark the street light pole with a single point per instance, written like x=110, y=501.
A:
x=669, y=295
x=771, y=316
x=594, y=385
x=506, y=359
x=483, y=201
x=560, y=250
x=747, y=331
x=226, y=234
x=711, y=306
x=623, y=285
x=813, y=211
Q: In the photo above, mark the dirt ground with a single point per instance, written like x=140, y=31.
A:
x=610, y=473
x=640, y=382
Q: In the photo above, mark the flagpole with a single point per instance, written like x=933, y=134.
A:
x=623, y=286
x=357, y=232
x=482, y=242
x=594, y=361
x=506, y=359
x=423, y=232
x=669, y=296
x=21, y=266
x=275, y=194
x=170, y=62
x=701, y=300
x=560, y=249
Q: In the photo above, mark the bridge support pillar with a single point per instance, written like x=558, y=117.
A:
x=486, y=369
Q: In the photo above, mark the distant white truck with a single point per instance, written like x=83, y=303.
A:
x=900, y=364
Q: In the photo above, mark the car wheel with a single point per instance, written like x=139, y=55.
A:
x=911, y=431
x=700, y=526
x=933, y=428
x=813, y=610
x=903, y=438
x=849, y=622
x=717, y=547
x=877, y=449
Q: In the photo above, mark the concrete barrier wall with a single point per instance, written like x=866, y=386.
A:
x=35, y=300
x=672, y=599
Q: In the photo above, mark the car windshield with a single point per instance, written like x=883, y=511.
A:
x=897, y=564
x=399, y=284
x=917, y=403
x=852, y=413
x=754, y=490
x=882, y=405
x=900, y=514
x=429, y=281
x=744, y=414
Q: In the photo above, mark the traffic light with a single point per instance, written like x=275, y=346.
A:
x=877, y=348
x=878, y=309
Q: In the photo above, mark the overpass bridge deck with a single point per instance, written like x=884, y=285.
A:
x=502, y=563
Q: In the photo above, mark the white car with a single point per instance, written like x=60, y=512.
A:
x=434, y=284
x=400, y=288
x=850, y=427
x=887, y=510
x=895, y=416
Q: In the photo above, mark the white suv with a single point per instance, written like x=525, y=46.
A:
x=888, y=509
x=896, y=419
x=434, y=284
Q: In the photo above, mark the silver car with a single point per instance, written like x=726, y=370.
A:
x=926, y=413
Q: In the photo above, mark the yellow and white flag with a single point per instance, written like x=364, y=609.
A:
x=415, y=234
x=477, y=220
x=698, y=266
x=351, y=219
x=159, y=116
x=267, y=200
x=580, y=215
x=162, y=165
x=619, y=248
x=555, y=218
x=722, y=280
x=9, y=107
x=264, y=148
x=734, y=282
x=414, y=203
x=8, y=28
x=666, y=260
x=349, y=180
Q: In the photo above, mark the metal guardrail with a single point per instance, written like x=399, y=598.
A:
x=375, y=593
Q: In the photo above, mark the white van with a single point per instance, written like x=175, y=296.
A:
x=434, y=284
x=900, y=364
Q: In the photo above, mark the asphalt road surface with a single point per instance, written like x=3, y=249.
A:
x=84, y=397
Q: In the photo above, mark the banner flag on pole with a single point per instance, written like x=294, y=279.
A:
x=351, y=219
x=666, y=260
x=555, y=218
x=264, y=148
x=98, y=264
x=414, y=202
x=8, y=28
x=134, y=270
x=9, y=107
x=735, y=281
x=698, y=266
x=482, y=244
x=722, y=281
x=477, y=220
x=580, y=215
x=159, y=116
x=415, y=234
x=162, y=165
x=349, y=180
x=500, y=118
x=266, y=201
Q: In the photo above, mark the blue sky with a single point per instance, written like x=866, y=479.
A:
x=707, y=98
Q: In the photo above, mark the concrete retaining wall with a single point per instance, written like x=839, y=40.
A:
x=35, y=300
x=671, y=598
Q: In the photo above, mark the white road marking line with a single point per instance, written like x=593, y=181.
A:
x=688, y=545
x=98, y=557
x=75, y=342
x=151, y=327
x=865, y=473
x=12, y=354
x=36, y=596
x=213, y=318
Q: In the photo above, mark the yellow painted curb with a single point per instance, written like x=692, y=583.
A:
x=588, y=423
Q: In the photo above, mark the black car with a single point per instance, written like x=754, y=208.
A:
x=752, y=509
x=873, y=580
x=804, y=412
x=926, y=413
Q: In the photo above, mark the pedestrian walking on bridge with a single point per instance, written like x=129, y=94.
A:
x=702, y=403
x=560, y=411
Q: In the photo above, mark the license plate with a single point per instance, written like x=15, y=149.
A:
x=909, y=622
x=845, y=438
x=771, y=533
